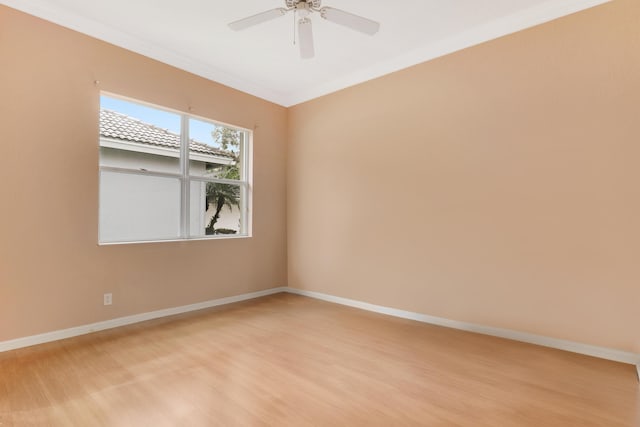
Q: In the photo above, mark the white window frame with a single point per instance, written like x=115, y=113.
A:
x=245, y=181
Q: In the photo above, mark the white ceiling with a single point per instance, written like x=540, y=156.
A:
x=193, y=35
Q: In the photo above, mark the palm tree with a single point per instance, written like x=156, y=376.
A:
x=220, y=195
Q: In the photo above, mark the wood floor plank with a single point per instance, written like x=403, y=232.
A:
x=290, y=360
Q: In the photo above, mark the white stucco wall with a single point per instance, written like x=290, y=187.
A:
x=139, y=207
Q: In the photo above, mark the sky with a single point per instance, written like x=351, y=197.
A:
x=198, y=130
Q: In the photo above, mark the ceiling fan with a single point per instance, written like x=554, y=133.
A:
x=304, y=8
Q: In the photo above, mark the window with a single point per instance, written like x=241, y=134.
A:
x=170, y=176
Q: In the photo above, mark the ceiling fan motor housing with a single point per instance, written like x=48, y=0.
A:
x=303, y=4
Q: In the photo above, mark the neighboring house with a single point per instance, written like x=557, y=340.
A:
x=128, y=143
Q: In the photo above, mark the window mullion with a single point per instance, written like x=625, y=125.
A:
x=184, y=176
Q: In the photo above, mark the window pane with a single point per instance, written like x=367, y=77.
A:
x=135, y=136
x=215, y=209
x=138, y=207
x=142, y=184
x=214, y=150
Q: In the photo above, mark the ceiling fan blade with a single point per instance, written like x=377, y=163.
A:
x=350, y=20
x=250, y=21
x=305, y=34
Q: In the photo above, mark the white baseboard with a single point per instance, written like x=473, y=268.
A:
x=575, y=347
x=128, y=320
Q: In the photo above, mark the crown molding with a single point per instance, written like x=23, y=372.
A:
x=544, y=12
x=44, y=10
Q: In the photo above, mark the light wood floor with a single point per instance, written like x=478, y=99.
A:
x=287, y=360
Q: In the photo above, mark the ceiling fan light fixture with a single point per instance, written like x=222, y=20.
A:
x=303, y=10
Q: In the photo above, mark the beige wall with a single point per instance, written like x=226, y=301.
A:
x=498, y=185
x=52, y=273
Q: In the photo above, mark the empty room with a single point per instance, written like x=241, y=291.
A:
x=320, y=213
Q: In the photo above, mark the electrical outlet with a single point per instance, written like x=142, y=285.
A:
x=108, y=299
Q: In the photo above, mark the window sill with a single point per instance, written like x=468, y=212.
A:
x=193, y=239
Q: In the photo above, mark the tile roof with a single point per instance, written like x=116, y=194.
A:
x=120, y=126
